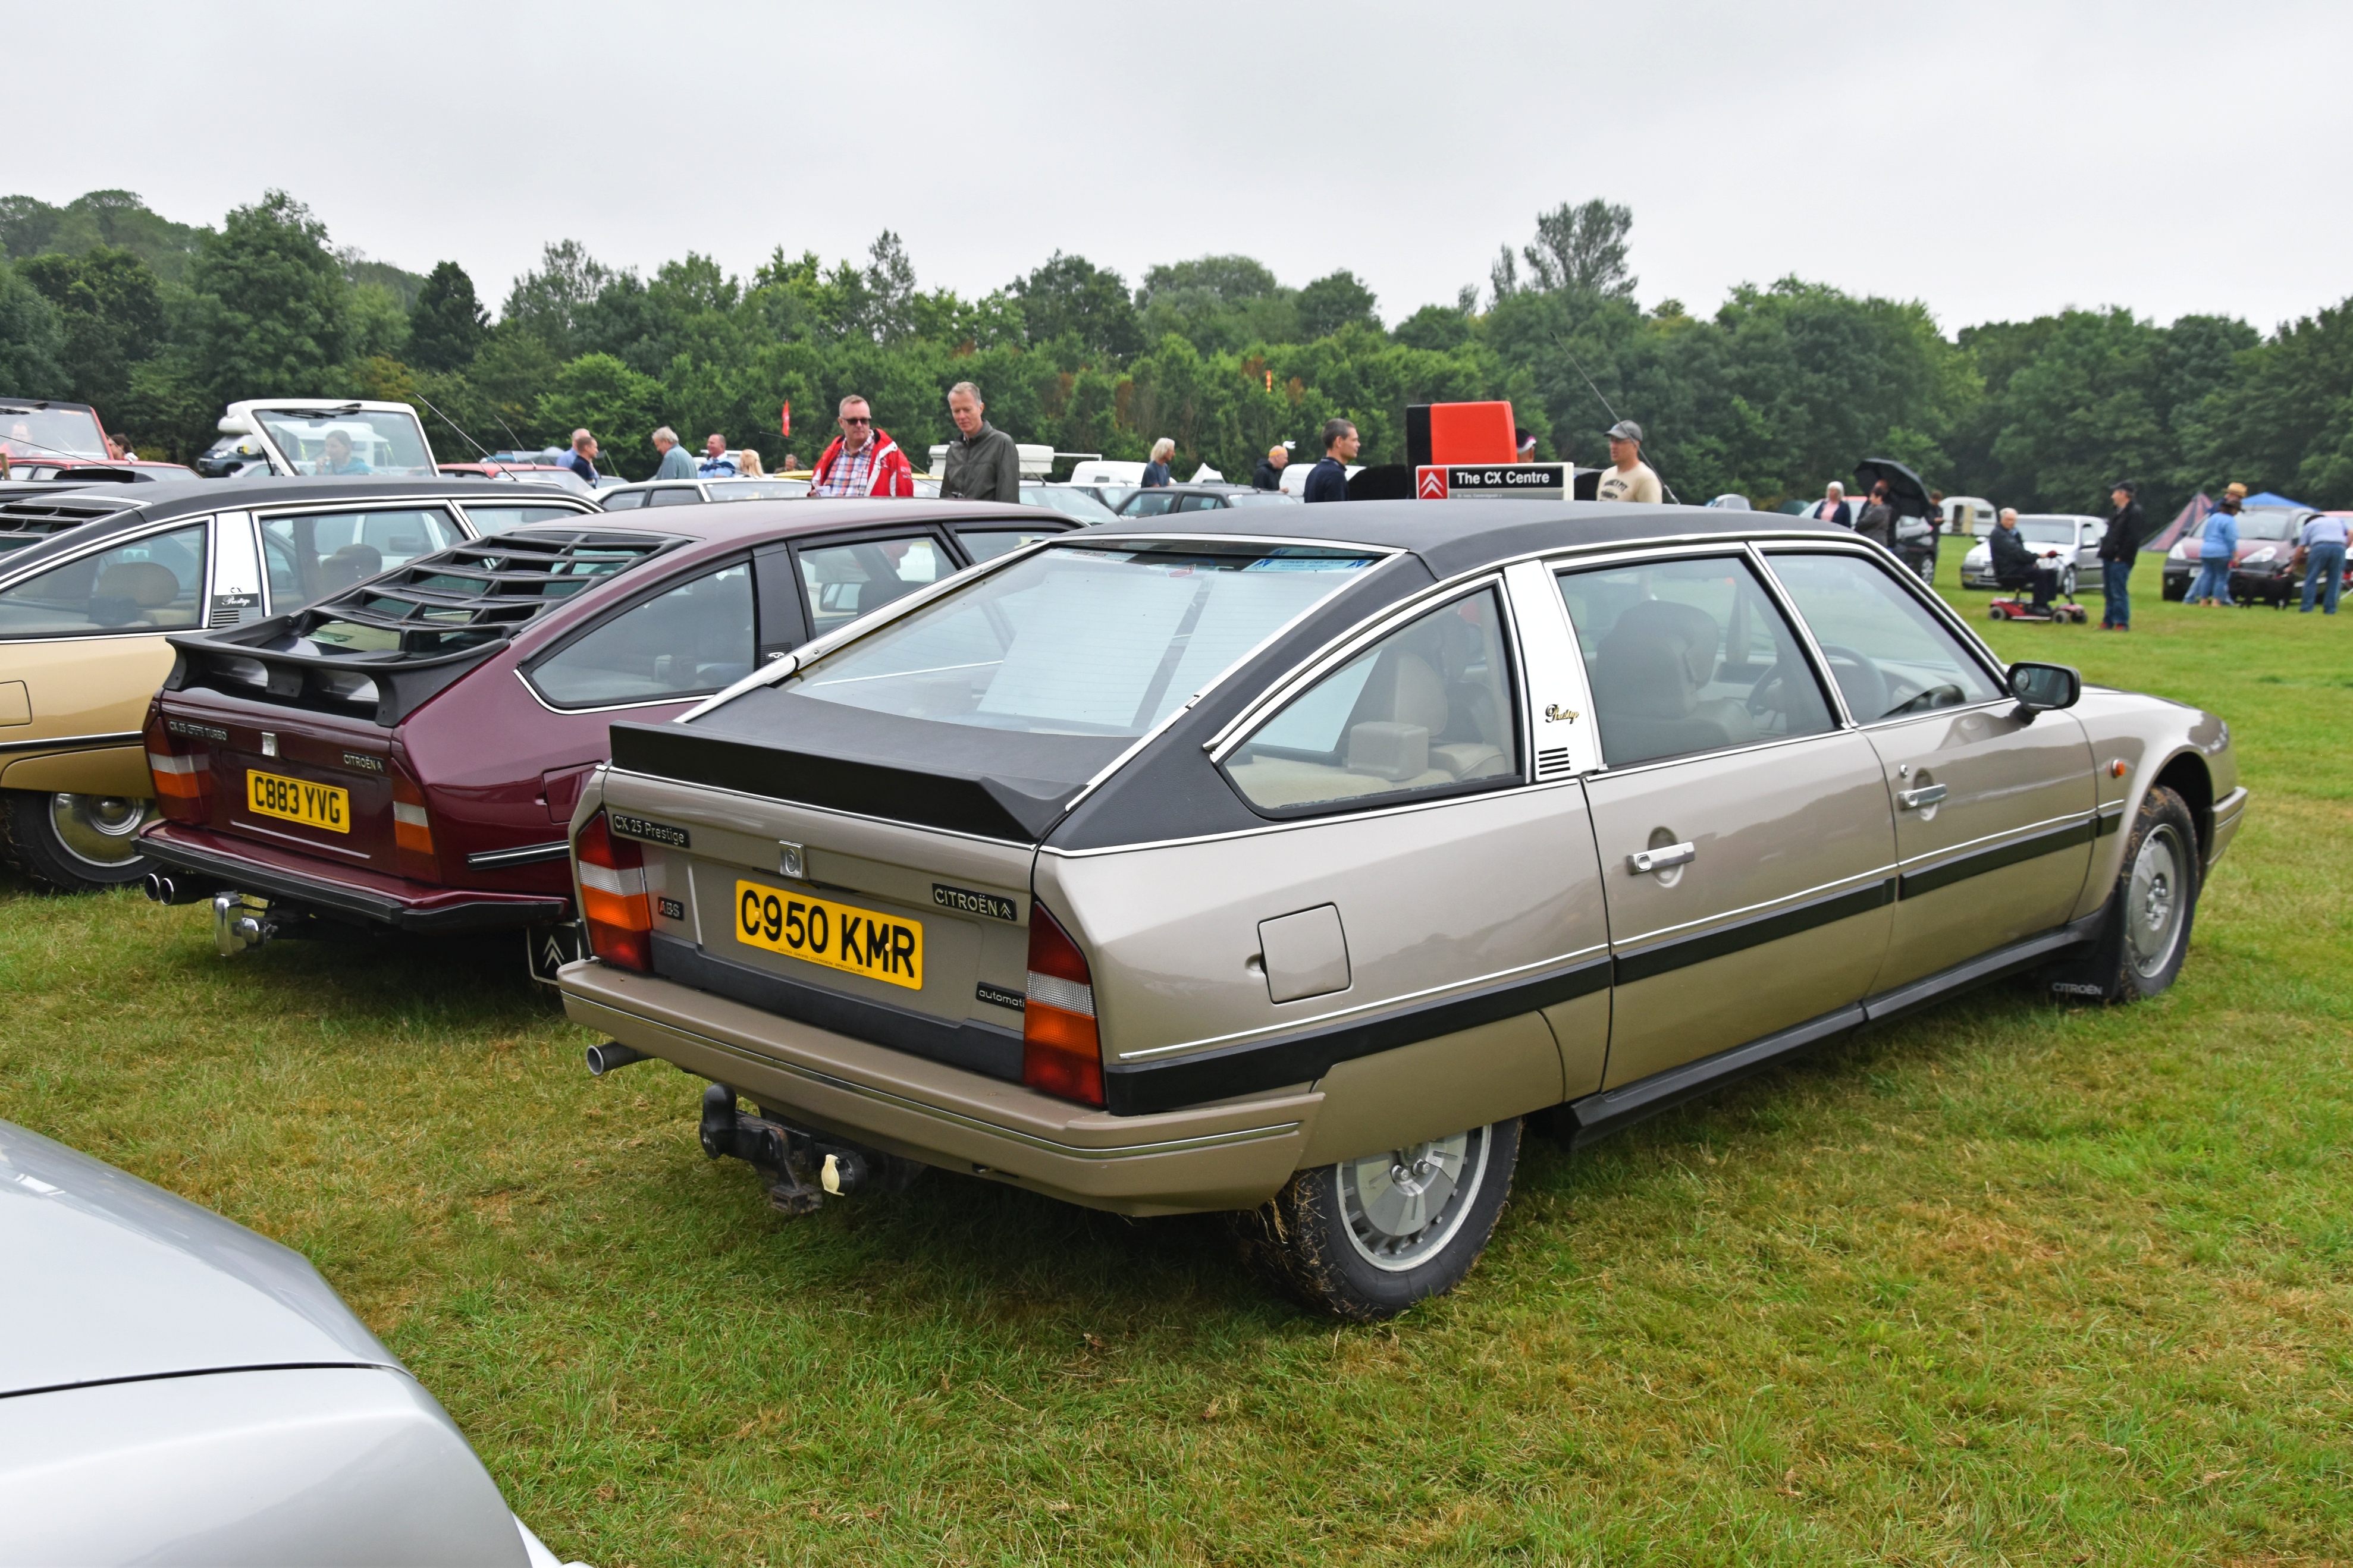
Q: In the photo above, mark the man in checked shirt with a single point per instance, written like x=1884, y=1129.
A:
x=862, y=460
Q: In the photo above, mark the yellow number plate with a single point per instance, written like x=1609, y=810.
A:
x=838, y=936
x=312, y=805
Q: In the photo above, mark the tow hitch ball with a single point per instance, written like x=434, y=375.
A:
x=238, y=926
x=801, y=1168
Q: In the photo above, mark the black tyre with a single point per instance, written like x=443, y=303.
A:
x=76, y=843
x=2146, y=934
x=1366, y=1238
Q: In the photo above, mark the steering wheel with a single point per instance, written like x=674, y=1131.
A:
x=1864, y=686
x=1760, y=701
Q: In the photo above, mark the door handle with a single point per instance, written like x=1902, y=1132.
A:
x=1660, y=858
x=1914, y=799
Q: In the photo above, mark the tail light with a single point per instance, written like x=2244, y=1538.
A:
x=183, y=782
x=412, y=830
x=613, y=897
x=1061, y=1052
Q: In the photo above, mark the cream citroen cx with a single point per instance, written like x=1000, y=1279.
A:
x=1287, y=871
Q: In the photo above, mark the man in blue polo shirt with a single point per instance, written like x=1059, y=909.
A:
x=1328, y=481
x=2324, y=561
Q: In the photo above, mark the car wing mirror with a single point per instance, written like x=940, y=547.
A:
x=2041, y=686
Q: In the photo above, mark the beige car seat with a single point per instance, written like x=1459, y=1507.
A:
x=141, y=583
x=353, y=564
x=1647, y=677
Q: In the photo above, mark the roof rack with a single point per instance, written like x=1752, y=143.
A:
x=386, y=646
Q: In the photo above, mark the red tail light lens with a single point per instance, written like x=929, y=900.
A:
x=183, y=782
x=613, y=897
x=412, y=830
x=1062, y=1051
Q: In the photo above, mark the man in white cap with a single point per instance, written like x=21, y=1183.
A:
x=1631, y=478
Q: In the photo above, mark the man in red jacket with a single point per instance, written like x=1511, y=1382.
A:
x=862, y=460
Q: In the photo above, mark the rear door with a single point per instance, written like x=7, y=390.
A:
x=1995, y=813
x=1745, y=850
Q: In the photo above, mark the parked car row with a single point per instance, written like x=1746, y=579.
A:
x=2263, y=567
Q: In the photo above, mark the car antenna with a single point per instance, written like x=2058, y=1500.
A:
x=453, y=424
x=1571, y=358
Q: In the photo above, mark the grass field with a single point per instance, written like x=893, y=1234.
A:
x=2005, y=1282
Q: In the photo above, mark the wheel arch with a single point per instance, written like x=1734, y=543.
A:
x=2185, y=773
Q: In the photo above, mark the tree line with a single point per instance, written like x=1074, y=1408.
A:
x=1778, y=391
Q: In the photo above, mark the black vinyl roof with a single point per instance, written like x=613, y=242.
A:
x=1454, y=536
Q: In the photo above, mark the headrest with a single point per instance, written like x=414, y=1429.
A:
x=1658, y=655
x=1405, y=690
x=144, y=583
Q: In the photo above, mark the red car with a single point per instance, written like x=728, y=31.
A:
x=406, y=753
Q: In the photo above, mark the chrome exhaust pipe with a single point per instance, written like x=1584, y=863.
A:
x=158, y=887
x=612, y=1055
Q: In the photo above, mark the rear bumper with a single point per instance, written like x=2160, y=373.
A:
x=342, y=891
x=1234, y=1154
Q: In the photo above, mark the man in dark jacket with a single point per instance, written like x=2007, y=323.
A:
x=1330, y=480
x=2014, y=564
x=1268, y=475
x=982, y=463
x=2118, y=549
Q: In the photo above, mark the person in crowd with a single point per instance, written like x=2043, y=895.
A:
x=2323, y=543
x=1876, y=522
x=747, y=465
x=716, y=464
x=1329, y=479
x=1936, y=513
x=2014, y=561
x=582, y=458
x=2215, y=548
x=1268, y=475
x=676, y=464
x=1629, y=478
x=1156, y=472
x=1833, y=507
x=339, y=458
x=982, y=463
x=2119, y=548
x=1524, y=445
x=862, y=460
x=793, y=464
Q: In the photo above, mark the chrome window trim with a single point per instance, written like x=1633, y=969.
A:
x=1301, y=824
x=474, y=530
x=85, y=743
x=204, y=520
x=1849, y=883
x=609, y=707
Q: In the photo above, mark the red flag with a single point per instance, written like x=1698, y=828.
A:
x=788, y=417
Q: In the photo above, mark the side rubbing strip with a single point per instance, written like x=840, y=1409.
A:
x=1668, y=956
x=1962, y=868
x=1244, y=1069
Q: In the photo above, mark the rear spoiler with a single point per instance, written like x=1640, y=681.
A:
x=387, y=687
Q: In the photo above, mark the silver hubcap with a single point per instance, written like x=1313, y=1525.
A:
x=1401, y=1207
x=99, y=829
x=2153, y=903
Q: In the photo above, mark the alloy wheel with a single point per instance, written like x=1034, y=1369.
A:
x=2154, y=903
x=1402, y=1207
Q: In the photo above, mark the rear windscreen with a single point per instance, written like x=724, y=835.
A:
x=1079, y=641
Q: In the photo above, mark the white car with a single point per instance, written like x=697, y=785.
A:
x=285, y=436
x=175, y=1388
x=2042, y=532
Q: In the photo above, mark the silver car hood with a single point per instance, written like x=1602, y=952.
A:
x=109, y=1277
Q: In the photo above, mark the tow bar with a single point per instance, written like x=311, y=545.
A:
x=800, y=1168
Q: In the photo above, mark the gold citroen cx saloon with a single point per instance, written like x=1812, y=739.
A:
x=91, y=584
x=1286, y=871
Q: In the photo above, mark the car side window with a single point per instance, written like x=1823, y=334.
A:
x=694, y=638
x=151, y=584
x=1886, y=649
x=1199, y=504
x=626, y=500
x=1688, y=655
x=1427, y=710
x=988, y=543
x=316, y=553
x=677, y=495
x=844, y=581
x=1148, y=503
x=499, y=518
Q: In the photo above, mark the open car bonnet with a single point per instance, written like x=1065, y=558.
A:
x=111, y=1279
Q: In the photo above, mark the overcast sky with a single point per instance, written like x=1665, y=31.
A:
x=1994, y=160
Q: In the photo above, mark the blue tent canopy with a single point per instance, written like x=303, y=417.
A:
x=2269, y=498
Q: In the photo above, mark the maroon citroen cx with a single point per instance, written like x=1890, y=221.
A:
x=406, y=753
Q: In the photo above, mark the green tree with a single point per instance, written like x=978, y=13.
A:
x=110, y=313
x=270, y=314
x=29, y=340
x=1331, y=303
x=621, y=407
x=1069, y=296
x=448, y=326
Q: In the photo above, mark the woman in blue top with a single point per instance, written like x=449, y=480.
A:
x=1156, y=472
x=2215, y=548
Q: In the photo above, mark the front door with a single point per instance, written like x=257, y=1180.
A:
x=1995, y=813
x=1744, y=836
